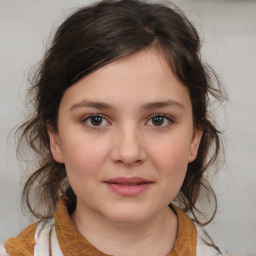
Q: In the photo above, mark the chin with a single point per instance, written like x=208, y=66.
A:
x=127, y=215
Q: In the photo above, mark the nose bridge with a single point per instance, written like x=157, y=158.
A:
x=128, y=146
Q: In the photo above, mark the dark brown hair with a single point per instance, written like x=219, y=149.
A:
x=91, y=38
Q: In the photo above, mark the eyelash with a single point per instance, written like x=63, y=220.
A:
x=86, y=118
x=166, y=117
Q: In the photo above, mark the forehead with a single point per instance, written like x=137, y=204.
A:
x=130, y=81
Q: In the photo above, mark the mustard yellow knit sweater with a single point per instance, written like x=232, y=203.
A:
x=72, y=243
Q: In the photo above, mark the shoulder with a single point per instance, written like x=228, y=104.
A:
x=206, y=246
x=23, y=244
x=38, y=239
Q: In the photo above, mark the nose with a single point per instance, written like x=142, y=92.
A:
x=128, y=147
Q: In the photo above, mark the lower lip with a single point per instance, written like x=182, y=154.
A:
x=125, y=190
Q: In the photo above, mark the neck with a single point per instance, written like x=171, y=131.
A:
x=155, y=236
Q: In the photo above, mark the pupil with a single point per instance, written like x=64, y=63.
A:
x=96, y=120
x=158, y=120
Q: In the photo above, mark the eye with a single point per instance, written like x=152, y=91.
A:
x=160, y=120
x=95, y=120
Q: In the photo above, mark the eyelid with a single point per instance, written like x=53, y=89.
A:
x=169, y=118
x=92, y=115
x=165, y=116
x=87, y=117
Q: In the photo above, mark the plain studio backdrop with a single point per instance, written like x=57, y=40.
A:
x=228, y=29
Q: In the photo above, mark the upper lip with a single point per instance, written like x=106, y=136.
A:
x=123, y=180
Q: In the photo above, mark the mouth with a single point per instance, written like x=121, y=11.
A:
x=128, y=186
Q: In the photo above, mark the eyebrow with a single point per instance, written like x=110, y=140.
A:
x=91, y=104
x=147, y=106
x=162, y=104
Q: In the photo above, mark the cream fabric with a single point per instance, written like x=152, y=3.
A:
x=46, y=240
x=40, y=239
x=45, y=235
x=2, y=250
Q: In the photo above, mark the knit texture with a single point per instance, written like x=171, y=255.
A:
x=72, y=243
x=186, y=241
x=23, y=244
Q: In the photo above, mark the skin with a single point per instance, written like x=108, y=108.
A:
x=127, y=143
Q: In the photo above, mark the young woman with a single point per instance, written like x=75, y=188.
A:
x=123, y=136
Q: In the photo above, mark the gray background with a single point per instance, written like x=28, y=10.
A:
x=228, y=29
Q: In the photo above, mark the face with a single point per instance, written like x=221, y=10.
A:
x=126, y=136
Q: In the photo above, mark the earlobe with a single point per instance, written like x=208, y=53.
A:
x=55, y=146
x=197, y=135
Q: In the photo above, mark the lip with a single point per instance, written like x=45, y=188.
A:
x=128, y=186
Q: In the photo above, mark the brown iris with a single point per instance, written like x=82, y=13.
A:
x=158, y=120
x=96, y=120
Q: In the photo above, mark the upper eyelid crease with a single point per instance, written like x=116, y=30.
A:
x=161, y=115
x=151, y=116
x=84, y=119
x=93, y=115
x=169, y=118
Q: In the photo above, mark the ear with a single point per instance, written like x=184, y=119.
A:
x=195, y=142
x=55, y=146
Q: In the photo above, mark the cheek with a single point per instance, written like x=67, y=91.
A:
x=83, y=157
x=170, y=153
x=83, y=163
x=170, y=159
